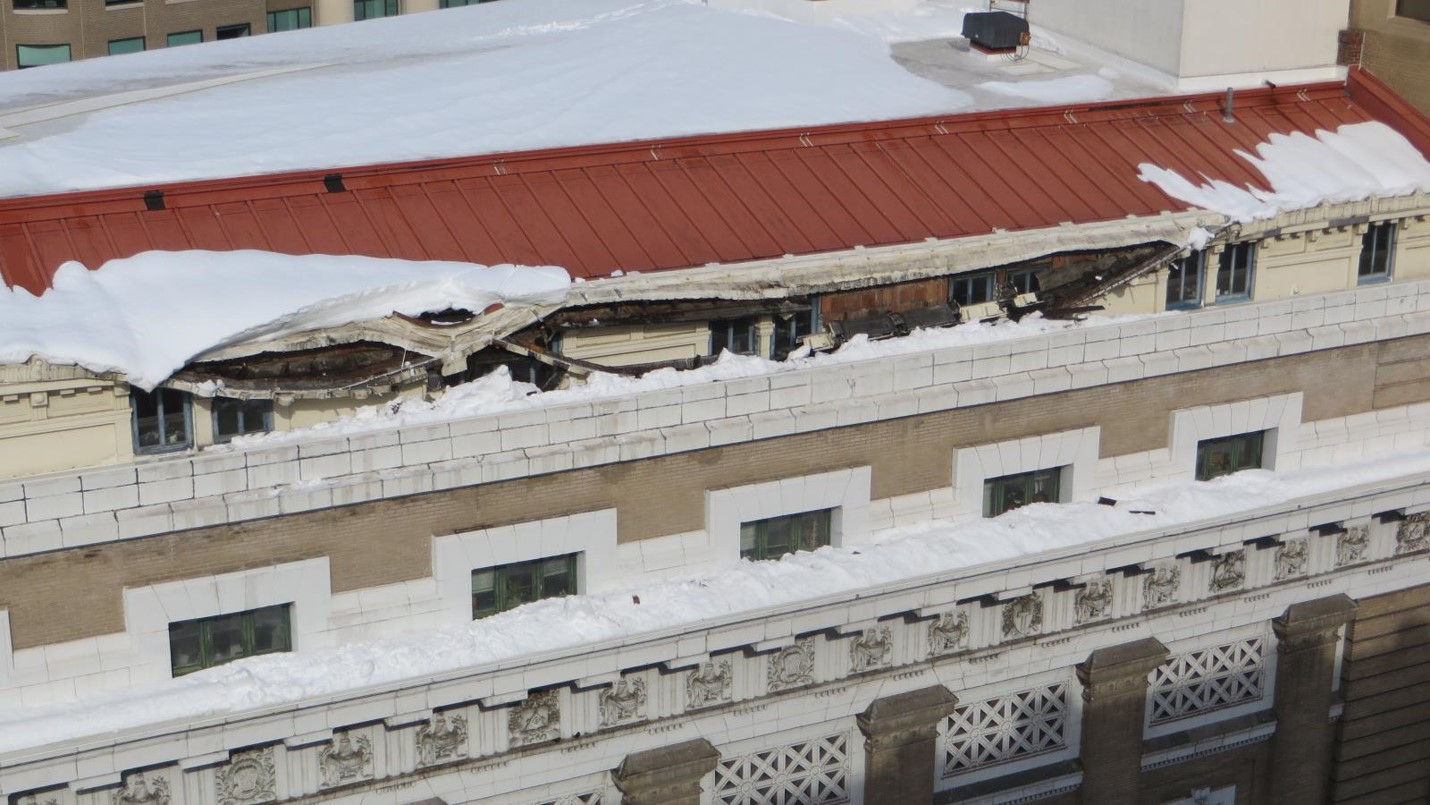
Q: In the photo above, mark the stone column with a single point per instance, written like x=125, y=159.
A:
x=1306, y=663
x=666, y=776
x=899, y=734
x=1114, y=695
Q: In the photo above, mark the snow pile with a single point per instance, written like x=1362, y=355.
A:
x=148, y=315
x=498, y=392
x=1350, y=164
x=480, y=79
x=1067, y=89
x=740, y=588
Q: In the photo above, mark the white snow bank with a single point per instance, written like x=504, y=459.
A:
x=480, y=79
x=148, y=315
x=498, y=392
x=1068, y=89
x=742, y=587
x=1352, y=163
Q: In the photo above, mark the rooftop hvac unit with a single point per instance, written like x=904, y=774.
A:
x=995, y=30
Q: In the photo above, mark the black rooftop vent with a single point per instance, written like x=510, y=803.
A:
x=995, y=30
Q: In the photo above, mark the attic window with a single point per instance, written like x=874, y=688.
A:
x=1184, y=281
x=162, y=421
x=239, y=417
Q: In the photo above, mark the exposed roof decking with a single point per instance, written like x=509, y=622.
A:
x=677, y=203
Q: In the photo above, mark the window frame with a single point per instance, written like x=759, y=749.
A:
x=1413, y=10
x=266, y=414
x=248, y=621
x=758, y=532
x=1227, y=264
x=1370, y=251
x=1258, y=437
x=390, y=8
x=725, y=329
x=169, y=38
x=246, y=27
x=302, y=20
x=790, y=328
x=143, y=45
x=539, y=570
x=164, y=446
x=19, y=60
x=39, y=5
x=1177, y=273
x=995, y=489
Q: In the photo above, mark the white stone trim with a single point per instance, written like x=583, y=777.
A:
x=846, y=491
x=1076, y=450
x=149, y=610
x=1279, y=415
x=592, y=535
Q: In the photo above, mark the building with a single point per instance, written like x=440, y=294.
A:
x=1252, y=640
x=1392, y=40
x=39, y=32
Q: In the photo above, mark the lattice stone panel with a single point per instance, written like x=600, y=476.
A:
x=814, y=772
x=590, y=798
x=1004, y=728
x=1208, y=679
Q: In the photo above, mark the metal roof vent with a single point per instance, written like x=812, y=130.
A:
x=996, y=30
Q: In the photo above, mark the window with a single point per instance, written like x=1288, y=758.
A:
x=497, y=589
x=27, y=5
x=779, y=536
x=789, y=329
x=237, y=417
x=460, y=3
x=1414, y=9
x=40, y=55
x=237, y=31
x=1218, y=457
x=207, y=642
x=1377, y=253
x=118, y=47
x=290, y=19
x=108, y=3
x=973, y=290
x=1024, y=281
x=162, y=420
x=737, y=335
x=1234, y=270
x=1184, y=281
x=372, y=9
x=185, y=38
x=1014, y=491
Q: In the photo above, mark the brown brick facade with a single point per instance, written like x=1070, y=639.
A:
x=77, y=593
x=88, y=26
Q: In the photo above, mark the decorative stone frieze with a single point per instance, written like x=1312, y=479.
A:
x=346, y=760
x=948, y=632
x=1228, y=572
x=142, y=788
x=813, y=771
x=1093, y=602
x=536, y=720
x=1352, y=545
x=791, y=667
x=249, y=778
x=35, y=799
x=1292, y=559
x=1208, y=679
x=442, y=739
x=1004, y=728
x=623, y=702
x=709, y=684
x=871, y=650
x=1023, y=617
x=1159, y=588
x=1413, y=534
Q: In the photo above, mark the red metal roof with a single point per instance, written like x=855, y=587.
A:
x=676, y=203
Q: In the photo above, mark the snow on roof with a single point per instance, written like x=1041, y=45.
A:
x=148, y=315
x=1351, y=163
x=899, y=554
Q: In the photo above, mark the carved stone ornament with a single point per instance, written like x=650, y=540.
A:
x=1413, y=534
x=948, y=632
x=1023, y=616
x=1093, y=602
x=345, y=760
x=1228, y=572
x=708, y=685
x=872, y=649
x=1353, y=545
x=792, y=667
x=623, y=702
x=142, y=788
x=249, y=778
x=1159, y=588
x=442, y=739
x=1291, y=559
x=34, y=799
x=536, y=720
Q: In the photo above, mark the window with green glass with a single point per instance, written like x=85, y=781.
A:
x=185, y=38
x=41, y=5
x=780, y=536
x=497, y=589
x=1009, y=492
x=40, y=55
x=118, y=47
x=460, y=3
x=372, y=9
x=290, y=19
x=208, y=642
x=1218, y=457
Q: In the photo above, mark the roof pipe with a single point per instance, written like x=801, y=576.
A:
x=1228, y=106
